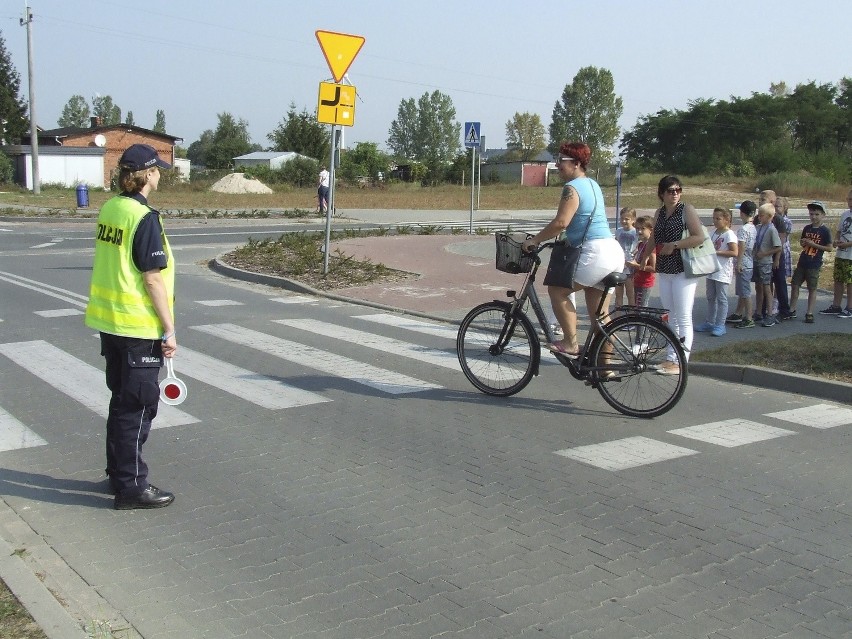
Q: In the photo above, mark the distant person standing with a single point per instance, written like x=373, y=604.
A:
x=322, y=190
x=816, y=240
x=725, y=242
x=131, y=301
x=676, y=227
x=766, y=245
x=843, y=265
x=742, y=317
x=782, y=265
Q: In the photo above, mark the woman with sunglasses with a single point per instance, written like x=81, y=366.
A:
x=581, y=205
x=677, y=291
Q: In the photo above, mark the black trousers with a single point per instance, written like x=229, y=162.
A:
x=132, y=371
x=779, y=279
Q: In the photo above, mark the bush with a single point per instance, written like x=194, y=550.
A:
x=7, y=170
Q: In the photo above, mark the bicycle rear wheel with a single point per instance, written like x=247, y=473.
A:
x=631, y=348
x=498, y=353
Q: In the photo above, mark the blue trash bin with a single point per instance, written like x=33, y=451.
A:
x=82, y=196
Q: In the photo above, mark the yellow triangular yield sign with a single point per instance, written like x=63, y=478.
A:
x=339, y=50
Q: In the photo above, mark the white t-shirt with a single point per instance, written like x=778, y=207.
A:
x=845, y=235
x=323, y=178
x=747, y=235
x=721, y=240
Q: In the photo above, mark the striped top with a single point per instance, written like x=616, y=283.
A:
x=669, y=229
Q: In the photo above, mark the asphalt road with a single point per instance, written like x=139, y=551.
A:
x=336, y=476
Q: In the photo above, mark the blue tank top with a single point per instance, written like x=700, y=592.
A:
x=591, y=203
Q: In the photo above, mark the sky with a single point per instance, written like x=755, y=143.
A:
x=195, y=59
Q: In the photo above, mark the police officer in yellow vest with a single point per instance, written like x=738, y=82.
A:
x=131, y=303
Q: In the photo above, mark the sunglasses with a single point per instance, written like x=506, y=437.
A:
x=674, y=190
x=560, y=160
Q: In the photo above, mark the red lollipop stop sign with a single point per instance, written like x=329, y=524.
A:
x=172, y=390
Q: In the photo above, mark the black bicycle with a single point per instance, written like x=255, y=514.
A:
x=500, y=352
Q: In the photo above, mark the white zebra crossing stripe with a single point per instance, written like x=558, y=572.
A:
x=377, y=342
x=219, y=303
x=46, y=289
x=430, y=328
x=732, y=432
x=259, y=389
x=294, y=299
x=818, y=416
x=324, y=361
x=626, y=453
x=411, y=324
x=14, y=435
x=77, y=379
x=59, y=312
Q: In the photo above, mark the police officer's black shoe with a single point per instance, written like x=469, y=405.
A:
x=151, y=497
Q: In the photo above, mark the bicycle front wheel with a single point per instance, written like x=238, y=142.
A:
x=498, y=352
x=629, y=351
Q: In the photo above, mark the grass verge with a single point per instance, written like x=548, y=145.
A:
x=15, y=621
x=826, y=355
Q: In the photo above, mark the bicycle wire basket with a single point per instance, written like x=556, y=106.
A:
x=510, y=256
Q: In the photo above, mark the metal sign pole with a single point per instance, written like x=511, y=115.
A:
x=472, y=185
x=330, y=204
x=617, y=193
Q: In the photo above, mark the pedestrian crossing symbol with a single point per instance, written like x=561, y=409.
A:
x=471, y=135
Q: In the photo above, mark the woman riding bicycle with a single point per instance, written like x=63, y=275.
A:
x=600, y=255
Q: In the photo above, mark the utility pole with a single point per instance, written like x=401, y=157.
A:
x=28, y=20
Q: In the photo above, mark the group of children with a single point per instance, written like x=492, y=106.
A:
x=754, y=254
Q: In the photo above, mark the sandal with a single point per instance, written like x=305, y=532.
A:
x=668, y=370
x=557, y=347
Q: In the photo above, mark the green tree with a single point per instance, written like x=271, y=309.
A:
x=816, y=117
x=128, y=119
x=301, y=133
x=104, y=108
x=525, y=136
x=197, y=151
x=588, y=112
x=364, y=160
x=230, y=139
x=75, y=112
x=13, y=110
x=160, y=122
x=427, y=132
x=402, y=135
x=844, y=103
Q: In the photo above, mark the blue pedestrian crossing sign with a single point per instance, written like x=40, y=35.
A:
x=471, y=135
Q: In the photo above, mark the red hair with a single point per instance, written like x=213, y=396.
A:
x=577, y=151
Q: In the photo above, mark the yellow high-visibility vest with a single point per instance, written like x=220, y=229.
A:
x=118, y=302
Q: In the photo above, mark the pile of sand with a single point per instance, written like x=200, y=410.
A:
x=239, y=183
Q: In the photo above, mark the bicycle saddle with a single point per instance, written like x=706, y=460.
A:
x=614, y=279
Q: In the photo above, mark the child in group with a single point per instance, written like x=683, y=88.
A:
x=766, y=245
x=816, y=240
x=643, y=274
x=626, y=237
x=725, y=241
x=842, y=265
x=741, y=318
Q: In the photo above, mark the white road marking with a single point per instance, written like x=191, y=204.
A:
x=53, y=291
x=817, y=416
x=411, y=324
x=77, y=379
x=262, y=390
x=59, y=312
x=376, y=342
x=626, y=453
x=45, y=245
x=295, y=299
x=219, y=303
x=14, y=435
x=314, y=358
x=732, y=432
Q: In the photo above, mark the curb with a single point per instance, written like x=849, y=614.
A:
x=816, y=387
x=43, y=607
x=758, y=376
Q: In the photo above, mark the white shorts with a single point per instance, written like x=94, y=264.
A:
x=598, y=259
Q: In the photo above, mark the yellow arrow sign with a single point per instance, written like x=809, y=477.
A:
x=336, y=104
x=339, y=50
